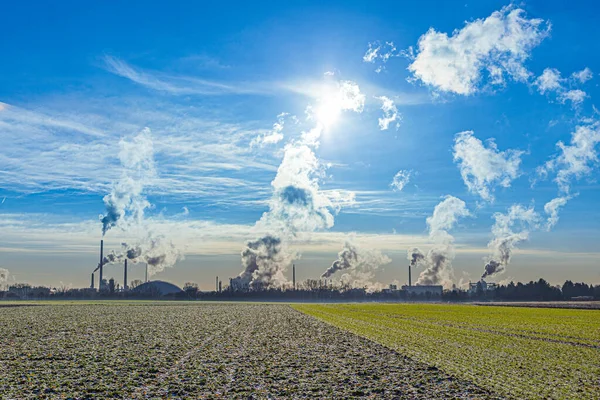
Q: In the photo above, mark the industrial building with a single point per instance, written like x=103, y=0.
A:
x=160, y=288
x=432, y=290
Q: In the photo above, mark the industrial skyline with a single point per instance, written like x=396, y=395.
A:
x=463, y=141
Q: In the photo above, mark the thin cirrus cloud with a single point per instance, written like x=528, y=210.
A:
x=183, y=85
x=195, y=157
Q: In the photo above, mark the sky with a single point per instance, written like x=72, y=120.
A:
x=236, y=139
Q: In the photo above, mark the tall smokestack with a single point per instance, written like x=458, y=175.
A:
x=409, y=277
x=101, y=263
x=217, y=284
x=92, y=285
x=125, y=276
x=294, y=275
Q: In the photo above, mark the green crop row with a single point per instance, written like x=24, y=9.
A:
x=516, y=352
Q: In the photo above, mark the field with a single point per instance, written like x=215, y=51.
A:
x=144, y=350
x=201, y=350
x=516, y=352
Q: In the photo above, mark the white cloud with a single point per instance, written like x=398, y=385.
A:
x=550, y=80
x=552, y=208
x=584, y=75
x=445, y=215
x=499, y=44
x=390, y=113
x=400, y=180
x=380, y=53
x=483, y=167
x=576, y=96
x=273, y=137
x=576, y=159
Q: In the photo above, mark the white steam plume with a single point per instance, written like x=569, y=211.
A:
x=509, y=230
x=298, y=205
x=359, y=267
x=439, y=258
x=137, y=159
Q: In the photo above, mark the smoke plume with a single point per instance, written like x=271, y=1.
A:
x=137, y=160
x=506, y=239
x=439, y=258
x=416, y=257
x=264, y=261
x=347, y=258
x=359, y=267
x=4, y=274
x=156, y=251
x=298, y=205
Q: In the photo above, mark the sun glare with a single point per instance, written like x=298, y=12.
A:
x=329, y=107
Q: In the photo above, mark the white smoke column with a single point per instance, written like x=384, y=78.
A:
x=359, y=267
x=137, y=160
x=347, y=258
x=506, y=238
x=155, y=250
x=439, y=258
x=4, y=275
x=298, y=205
x=264, y=262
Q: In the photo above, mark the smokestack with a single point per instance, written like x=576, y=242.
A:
x=219, y=286
x=92, y=285
x=146, y=272
x=101, y=263
x=294, y=275
x=409, y=277
x=125, y=276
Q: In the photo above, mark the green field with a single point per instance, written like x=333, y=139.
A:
x=516, y=352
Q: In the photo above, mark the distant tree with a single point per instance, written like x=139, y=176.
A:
x=135, y=283
x=191, y=289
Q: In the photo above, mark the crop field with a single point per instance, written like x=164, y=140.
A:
x=516, y=352
x=202, y=350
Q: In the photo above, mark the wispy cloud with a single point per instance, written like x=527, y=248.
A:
x=183, y=85
x=195, y=156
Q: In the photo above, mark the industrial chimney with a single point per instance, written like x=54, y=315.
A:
x=217, y=284
x=101, y=263
x=409, y=278
x=125, y=287
x=92, y=285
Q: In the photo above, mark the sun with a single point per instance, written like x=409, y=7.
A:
x=329, y=106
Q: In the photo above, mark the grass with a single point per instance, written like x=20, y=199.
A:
x=516, y=352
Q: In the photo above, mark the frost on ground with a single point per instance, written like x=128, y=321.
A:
x=202, y=351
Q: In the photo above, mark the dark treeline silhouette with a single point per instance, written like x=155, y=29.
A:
x=311, y=291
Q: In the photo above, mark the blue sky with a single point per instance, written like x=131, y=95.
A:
x=79, y=82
